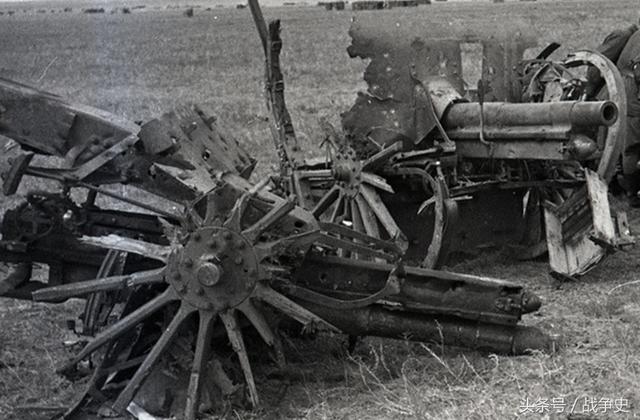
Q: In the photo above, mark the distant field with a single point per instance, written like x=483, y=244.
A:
x=141, y=64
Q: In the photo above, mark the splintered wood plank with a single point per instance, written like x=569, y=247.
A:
x=555, y=245
x=603, y=226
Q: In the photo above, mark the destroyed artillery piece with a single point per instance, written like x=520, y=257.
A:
x=352, y=243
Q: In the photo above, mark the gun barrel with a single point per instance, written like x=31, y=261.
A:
x=547, y=130
x=504, y=114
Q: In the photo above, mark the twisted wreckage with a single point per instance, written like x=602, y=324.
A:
x=424, y=170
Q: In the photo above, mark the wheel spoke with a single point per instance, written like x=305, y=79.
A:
x=382, y=156
x=122, y=326
x=235, y=217
x=356, y=219
x=257, y=320
x=289, y=307
x=381, y=212
x=146, y=249
x=283, y=208
x=60, y=293
x=230, y=321
x=376, y=181
x=134, y=384
x=326, y=201
x=338, y=208
x=200, y=358
x=261, y=325
x=212, y=210
x=368, y=218
x=343, y=252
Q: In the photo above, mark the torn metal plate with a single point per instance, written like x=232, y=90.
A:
x=47, y=123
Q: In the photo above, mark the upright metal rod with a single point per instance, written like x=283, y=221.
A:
x=261, y=25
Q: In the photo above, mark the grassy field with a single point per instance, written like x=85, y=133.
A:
x=143, y=63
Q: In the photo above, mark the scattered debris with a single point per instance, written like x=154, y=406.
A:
x=92, y=10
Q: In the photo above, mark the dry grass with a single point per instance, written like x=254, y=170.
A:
x=140, y=64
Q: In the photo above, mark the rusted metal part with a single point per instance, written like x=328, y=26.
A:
x=281, y=126
x=379, y=321
x=421, y=290
x=391, y=287
x=202, y=150
x=18, y=167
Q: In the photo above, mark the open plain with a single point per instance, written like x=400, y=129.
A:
x=142, y=63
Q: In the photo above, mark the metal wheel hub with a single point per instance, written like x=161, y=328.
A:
x=216, y=270
x=347, y=171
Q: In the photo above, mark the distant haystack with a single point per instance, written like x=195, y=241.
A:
x=189, y=12
x=91, y=10
x=386, y=4
x=367, y=5
x=401, y=3
x=334, y=5
x=241, y=6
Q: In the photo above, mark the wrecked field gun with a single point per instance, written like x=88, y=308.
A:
x=204, y=269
